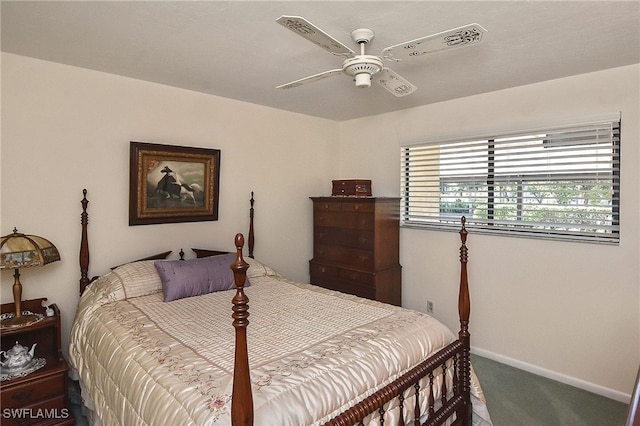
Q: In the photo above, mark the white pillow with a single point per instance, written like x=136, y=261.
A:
x=138, y=278
x=259, y=269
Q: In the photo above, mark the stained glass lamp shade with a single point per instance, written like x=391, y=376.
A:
x=23, y=251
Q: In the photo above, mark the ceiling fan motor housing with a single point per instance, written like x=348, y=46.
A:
x=362, y=35
x=362, y=68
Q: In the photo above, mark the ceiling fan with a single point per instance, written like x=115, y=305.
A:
x=364, y=68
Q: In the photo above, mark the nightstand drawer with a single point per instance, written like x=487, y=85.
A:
x=35, y=390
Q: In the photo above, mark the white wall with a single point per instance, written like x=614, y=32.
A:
x=567, y=310
x=67, y=128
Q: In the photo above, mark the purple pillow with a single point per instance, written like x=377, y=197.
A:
x=187, y=278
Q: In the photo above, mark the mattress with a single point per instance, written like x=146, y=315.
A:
x=312, y=352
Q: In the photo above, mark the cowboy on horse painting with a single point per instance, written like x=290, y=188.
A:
x=171, y=187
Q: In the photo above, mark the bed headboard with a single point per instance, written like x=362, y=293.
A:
x=84, y=243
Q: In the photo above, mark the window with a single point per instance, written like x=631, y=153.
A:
x=554, y=183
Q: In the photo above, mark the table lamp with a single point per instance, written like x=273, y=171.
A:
x=23, y=251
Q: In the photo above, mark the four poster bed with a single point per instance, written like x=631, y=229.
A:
x=149, y=346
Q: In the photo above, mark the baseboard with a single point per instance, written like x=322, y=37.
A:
x=553, y=375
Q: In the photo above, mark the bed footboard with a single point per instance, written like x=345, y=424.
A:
x=428, y=372
x=447, y=399
x=455, y=399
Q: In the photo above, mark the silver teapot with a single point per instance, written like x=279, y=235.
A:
x=17, y=357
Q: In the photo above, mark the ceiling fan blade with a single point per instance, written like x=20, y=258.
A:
x=310, y=79
x=457, y=37
x=306, y=29
x=394, y=83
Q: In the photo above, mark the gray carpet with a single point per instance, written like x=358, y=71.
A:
x=518, y=398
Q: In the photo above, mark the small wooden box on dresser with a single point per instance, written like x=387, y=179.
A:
x=41, y=397
x=356, y=246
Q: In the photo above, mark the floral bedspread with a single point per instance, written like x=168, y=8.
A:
x=312, y=353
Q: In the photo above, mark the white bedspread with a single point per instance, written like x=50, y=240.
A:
x=312, y=353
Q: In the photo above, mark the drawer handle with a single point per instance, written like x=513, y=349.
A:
x=356, y=207
x=22, y=396
x=322, y=269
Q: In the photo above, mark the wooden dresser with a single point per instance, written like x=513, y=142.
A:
x=356, y=244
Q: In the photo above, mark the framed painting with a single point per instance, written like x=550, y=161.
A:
x=169, y=184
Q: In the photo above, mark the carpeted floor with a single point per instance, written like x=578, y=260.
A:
x=519, y=398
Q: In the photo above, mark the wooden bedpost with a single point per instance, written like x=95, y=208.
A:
x=464, y=310
x=242, y=399
x=251, y=241
x=84, y=244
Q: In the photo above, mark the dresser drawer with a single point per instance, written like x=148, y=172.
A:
x=34, y=390
x=344, y=256
x=337, y=219
x=323, y=271
x=361, y=278
x=342, y=280
x=344, y=205
x=349, y=288
x=336, y=273
x=344, y=237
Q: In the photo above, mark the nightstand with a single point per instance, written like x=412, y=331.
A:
x=41, y=397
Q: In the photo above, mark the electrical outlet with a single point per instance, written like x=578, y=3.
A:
x=429, y=307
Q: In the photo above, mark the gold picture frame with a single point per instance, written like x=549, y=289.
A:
x=170, y=184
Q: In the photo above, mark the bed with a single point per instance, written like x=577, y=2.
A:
x=149, y=346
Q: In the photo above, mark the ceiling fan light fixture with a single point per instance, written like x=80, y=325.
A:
x=363, y=80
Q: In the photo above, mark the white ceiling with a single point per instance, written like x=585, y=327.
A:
x=235, y=49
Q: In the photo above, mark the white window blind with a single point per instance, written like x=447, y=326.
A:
x=555, y=183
